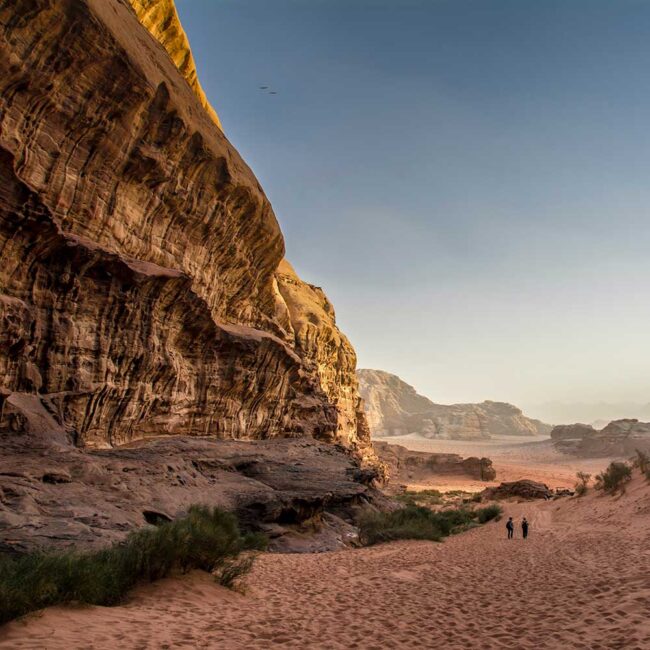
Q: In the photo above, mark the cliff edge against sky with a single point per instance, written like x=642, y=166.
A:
x=161, y=19
x=141, y=287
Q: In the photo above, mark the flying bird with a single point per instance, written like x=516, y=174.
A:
x=264, y=87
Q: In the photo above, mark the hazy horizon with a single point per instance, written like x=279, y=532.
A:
x=566, y=412
x=467, y=180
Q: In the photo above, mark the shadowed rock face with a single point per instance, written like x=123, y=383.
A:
x=395, y=408
x=618, y=438
x=139, y=291
x=57, y=496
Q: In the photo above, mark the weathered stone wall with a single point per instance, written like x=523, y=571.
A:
x=138, y=289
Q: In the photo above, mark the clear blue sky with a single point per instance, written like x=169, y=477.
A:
x=466, y=179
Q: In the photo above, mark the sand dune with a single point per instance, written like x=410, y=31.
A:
x=582, y=580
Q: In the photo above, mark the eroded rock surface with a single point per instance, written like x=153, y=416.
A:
x=140, y=290
x=393, y=407
x=618, y=438
x=56, y=496
x=161, y=19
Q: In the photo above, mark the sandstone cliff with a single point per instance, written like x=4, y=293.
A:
x=618, y=438
x=395, y=408
x=140, y=290
x=161, y=19
x=317, y=339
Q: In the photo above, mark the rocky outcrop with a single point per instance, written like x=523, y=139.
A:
x=405, y=465
x=523, y=489
x=141, y=292
x=395, y=408
x=317, y=339
x=57, y=496
x=567, y=438
x=161, y=19
x=618, y=438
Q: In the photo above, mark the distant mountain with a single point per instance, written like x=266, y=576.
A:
x=394, y=408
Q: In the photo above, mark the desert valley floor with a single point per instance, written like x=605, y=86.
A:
x=581, y=580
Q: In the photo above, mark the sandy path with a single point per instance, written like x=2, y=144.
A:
x=575, y=583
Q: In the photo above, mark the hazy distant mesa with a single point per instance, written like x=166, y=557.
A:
x=394, y=408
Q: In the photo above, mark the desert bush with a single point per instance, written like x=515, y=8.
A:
x=413, y=497
x=581, y=486
x=488, y=513
x=614, y=477
x=233, y=571
x=206, y=538
x=642, y=461
x=411, y=522
x=581, y=489
x=416, y=522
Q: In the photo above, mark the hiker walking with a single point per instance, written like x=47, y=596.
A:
x=511, y=528
x=524, y=527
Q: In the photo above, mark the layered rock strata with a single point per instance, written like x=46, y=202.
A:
x=161, y=20
x=140, y=290
x=60, y=497
x=393, y=407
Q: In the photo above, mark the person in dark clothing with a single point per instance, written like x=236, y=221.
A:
x=511, y=528
x=524, y=527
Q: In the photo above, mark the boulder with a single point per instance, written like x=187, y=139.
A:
x=523, y=489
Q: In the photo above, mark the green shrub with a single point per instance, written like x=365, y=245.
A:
x=233, y=571
x=488, y=513
x=206, y=538
x=411, y=522
x=416, y=522
x=427, y=497
x=614, y=477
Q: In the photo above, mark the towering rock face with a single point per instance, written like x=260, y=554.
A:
x=161, y=19
x=140, y=293
x=395, y=408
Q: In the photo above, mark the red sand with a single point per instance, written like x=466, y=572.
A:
x=581, y=580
